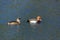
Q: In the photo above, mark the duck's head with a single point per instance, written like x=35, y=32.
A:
x=38, y=18
x=18, y=20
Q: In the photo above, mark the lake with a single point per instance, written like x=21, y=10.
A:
x=48, y=29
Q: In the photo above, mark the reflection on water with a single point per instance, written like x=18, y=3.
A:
x=48, y=29
x=26, y=31
x=34, y=25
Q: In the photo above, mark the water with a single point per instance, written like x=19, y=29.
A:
x=48, y=29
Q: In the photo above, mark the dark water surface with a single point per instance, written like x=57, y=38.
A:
x=48, y=29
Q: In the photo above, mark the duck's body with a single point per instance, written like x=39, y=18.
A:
x=34, y=20
x=17, y=22
x=13, y=23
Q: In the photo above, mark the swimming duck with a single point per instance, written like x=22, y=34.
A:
x=35, y=20
x=17, y=22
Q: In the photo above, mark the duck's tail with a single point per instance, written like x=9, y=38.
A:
x=27, y=20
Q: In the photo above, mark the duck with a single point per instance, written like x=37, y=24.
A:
x=38, y=19
x=17, y=22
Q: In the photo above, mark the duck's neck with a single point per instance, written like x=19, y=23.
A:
x=18, y=20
